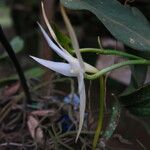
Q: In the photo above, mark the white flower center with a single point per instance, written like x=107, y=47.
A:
x=75, y=68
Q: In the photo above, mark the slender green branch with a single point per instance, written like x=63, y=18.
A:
x=19, y=70
x=109, y=52
x=101, y=113
x=116, y=66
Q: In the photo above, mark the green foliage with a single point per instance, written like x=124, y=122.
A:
x=125, y=23
x=63, y=39
x=138, y=102
x=17, y=44
x=5, y=17
x=138, y=76
x=130, y=26
x=31, y=73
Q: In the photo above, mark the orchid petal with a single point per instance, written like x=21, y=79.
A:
x=62, y=68
x=51, y=30
x=81, y=87
x=73, y=37
x=55, y=47
x=81, y=69
x=47, y=23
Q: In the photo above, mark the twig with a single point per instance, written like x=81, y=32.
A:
x=141, y=144
x=72, y=133
x=15, y=144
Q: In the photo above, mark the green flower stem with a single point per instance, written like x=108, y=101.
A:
x=116, y=66
x=101, y=112
x=109, y=52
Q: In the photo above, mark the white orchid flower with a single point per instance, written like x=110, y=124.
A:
x=72, y=68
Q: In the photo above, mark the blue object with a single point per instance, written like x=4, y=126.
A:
x=66, y=123
x=72, y=99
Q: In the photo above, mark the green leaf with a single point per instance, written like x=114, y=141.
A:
x=138, y=77
x=140, y=111
x=31, y=73
x=17, y=44
x=138, y=102
x=63, y=39
x=125, y=23
x=132, y=87
x=139, y=73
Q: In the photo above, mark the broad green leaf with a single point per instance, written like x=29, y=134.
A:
x=138, y=101
x=140, y=111
x=125, y=23
x=31, y=73
x=17, y=44
x=137, y=97
x=139, y=73
x=138, y=77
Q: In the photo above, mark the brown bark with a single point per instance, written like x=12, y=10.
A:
x=45, y=51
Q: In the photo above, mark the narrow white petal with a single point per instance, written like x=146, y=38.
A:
x=51, y=29
x=47, y=23
x=55, y=47
x=62, y=68
x=82, y=95
x=73, y=37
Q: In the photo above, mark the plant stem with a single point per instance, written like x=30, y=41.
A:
x=19, y=70
x=72, y=133
x=101, y=112
x=109, y=52
x=116, y=66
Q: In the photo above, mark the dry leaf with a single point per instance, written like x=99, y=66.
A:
x=35, y=131
x=11, y=89
x=42, y=113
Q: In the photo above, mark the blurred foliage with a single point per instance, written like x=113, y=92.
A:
x=63, y=39
x=138, y=102
x=25, y=14
x=5, y=16
x=17, y=44
x=35, y=72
